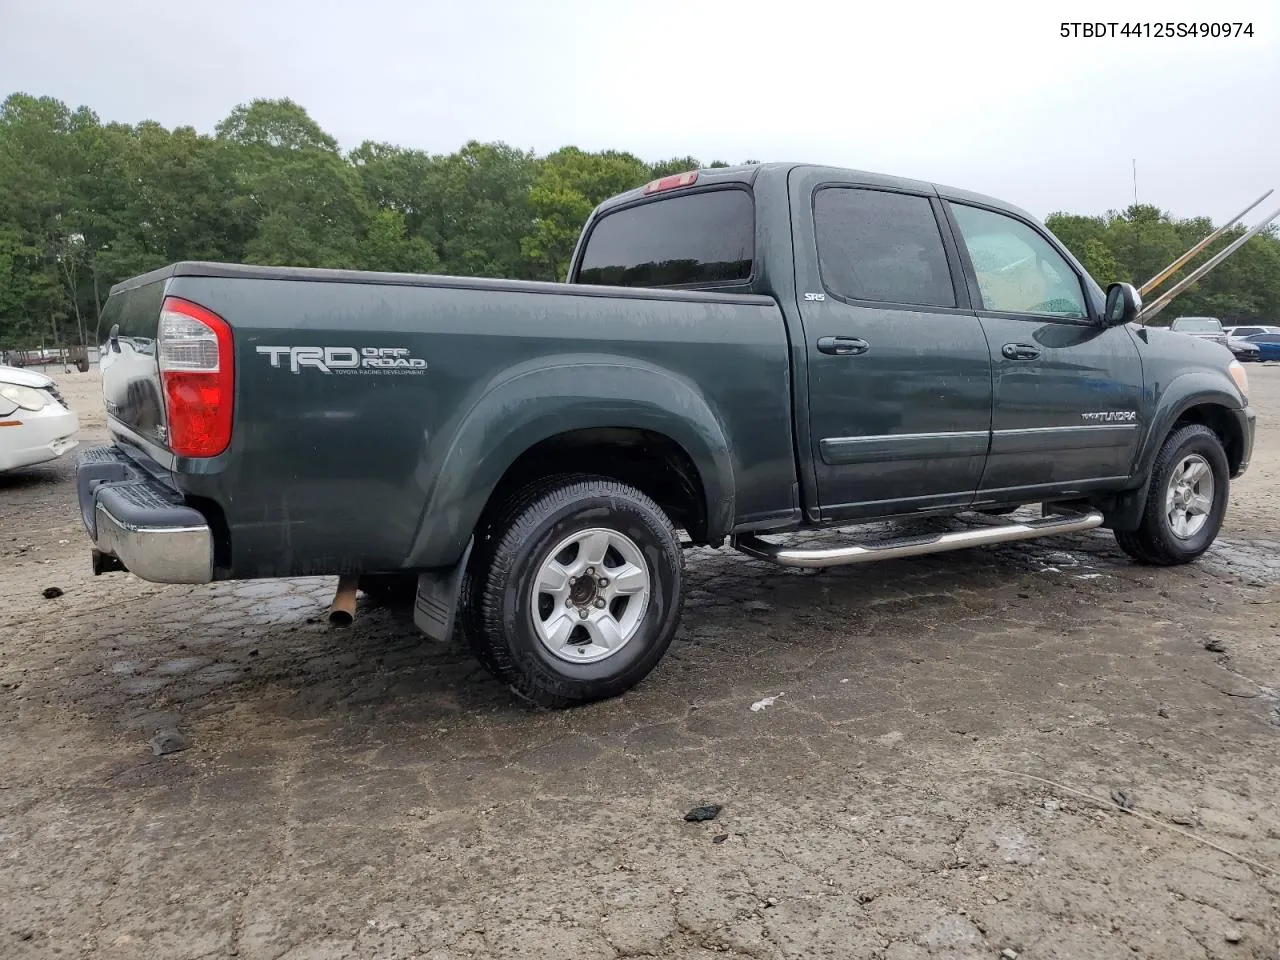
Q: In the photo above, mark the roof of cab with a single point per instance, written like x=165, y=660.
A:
x=749, y=173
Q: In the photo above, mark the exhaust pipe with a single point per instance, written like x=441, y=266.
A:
x=342, y=612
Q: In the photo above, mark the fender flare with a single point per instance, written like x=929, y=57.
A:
x=1188, y=390
x=534, y=401
x=1198, y=388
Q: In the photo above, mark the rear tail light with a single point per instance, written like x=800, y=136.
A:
x=196, y=368
x=673, y=182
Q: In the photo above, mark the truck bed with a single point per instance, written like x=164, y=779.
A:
x=244, y=271
x=335, y=467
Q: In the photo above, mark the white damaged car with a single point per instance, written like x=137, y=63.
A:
x=35, y=422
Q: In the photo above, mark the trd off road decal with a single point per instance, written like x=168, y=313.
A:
x=345, y=359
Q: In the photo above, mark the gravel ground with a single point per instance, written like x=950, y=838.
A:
x=914, y=759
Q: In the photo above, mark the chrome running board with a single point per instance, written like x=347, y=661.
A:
x=919, y=545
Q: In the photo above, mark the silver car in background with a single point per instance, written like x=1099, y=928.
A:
x=1251, y=330
x=1206, y=328
x=35, y=423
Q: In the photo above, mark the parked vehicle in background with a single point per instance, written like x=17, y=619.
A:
x=1243, y=350
x=739, y=352
x=35, y=424
x=1206, y=328
x=76, y=356
x=25, y=358
x=1268, y=344
x=1249, y=331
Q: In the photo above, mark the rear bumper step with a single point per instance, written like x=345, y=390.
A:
x=138, y=523
x=917, y=546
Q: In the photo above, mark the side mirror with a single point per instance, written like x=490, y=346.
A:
x=1123, y=304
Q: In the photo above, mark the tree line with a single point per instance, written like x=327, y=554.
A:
x=84, y=204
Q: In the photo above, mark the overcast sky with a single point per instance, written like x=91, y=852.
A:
x=986, y=96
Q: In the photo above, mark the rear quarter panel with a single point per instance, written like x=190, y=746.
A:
x=387, y=468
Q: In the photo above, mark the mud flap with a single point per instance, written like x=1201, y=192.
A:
x=1123, y=511
x=435, y=607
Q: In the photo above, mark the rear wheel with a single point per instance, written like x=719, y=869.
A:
x=574, y=592
x=1186, y=500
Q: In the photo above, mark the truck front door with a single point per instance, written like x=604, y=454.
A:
x=1067, y=390
x=899, y=375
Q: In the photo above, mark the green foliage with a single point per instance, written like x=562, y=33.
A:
x=477, y=210
x=85, y=204
x=1139, y=242
x=278, y=124
x=570, y=185
x=667, y=168
x=388, y=246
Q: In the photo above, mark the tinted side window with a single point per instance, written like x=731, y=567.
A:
x=881, y=246
x=697, y=238
x=1018, y=270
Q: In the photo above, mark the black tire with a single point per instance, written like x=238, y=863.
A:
x=491, y=529
x=497, y=606
x=1154, y=542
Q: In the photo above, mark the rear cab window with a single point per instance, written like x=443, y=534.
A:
x=881, y=247
x=684, y=240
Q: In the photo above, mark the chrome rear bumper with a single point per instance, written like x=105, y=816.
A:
x=140, y=524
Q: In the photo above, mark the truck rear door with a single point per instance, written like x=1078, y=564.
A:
x=899, y=375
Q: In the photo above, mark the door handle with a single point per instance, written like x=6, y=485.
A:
x=843, y=346
x=1020, y=351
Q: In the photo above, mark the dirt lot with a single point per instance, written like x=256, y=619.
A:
x=364, y=793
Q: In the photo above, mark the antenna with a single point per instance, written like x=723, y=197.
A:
x=1162, y=301
x=1169, y=271
x=1135, y=182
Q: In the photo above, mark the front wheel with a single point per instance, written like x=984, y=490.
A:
x=574, y=591
x=1186, y=500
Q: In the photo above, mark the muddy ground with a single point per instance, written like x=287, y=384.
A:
x=918, y=787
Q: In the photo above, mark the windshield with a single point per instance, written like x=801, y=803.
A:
x=1197, y=325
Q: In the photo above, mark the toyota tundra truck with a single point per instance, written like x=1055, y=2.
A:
x=737, y=354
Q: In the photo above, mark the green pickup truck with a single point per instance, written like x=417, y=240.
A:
x=738, y=353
